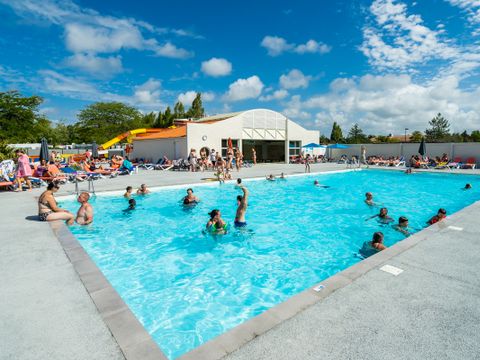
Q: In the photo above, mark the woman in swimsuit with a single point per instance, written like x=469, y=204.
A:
x=48, y=209
x=216, y=223
x=229, y=158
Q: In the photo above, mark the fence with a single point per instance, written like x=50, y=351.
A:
x=462, y=150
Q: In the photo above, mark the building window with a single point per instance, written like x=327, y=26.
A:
x=225, y=146
x=295, y=148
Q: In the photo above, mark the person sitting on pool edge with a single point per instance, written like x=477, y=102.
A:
x=132, y=203
x=441, y=214
x=85, y=213
x=242, y=202
x=143, y=190
x=374, y=246
x=216, y=224
x=128, y=192
x=369, y=199
x=467, y=187
x=402, y=225
x=382, y=216
x=190, y=199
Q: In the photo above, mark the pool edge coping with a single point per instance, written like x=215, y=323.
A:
x=115, y=312
x=133, y=339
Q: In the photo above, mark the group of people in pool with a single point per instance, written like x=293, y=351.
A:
x=376, y=244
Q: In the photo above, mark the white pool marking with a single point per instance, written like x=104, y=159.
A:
x=391, y=270
x=456, y=228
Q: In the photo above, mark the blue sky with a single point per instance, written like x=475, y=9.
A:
x=383, y=64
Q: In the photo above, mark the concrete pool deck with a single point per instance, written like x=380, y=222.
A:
x=431, y=310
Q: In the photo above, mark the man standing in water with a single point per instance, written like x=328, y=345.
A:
x=242, y=202
x=85, y=213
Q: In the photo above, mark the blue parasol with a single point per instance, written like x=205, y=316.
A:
x=313, y=146
x=338, y=146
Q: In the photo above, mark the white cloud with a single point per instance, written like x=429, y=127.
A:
x=295, y=109
x=216, y=67
x=389, y=103
x=187, y=97
x=312, y=46
x=148, y=93
x=171, y=51
x=99, y=66
x=276, y=45
x=410, y=42
x=242, y=89
x=472, y=9
x=276, y=95
x=294, y=79
x=87, y=31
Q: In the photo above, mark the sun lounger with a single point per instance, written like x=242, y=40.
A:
x=8, y=185
x=471, y=163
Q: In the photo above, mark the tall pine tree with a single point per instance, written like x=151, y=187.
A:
x=336, y=134
x=439, y=129
x=179, y=110
x=196, y=110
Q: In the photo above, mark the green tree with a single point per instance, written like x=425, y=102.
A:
x=475, y=135
x=179, y=110
x=323, y=139
x=103, y=120
x=336, y=135
x=149, y=119
x=465, y=136
x=416, y=136
x=196, y=110
x=439, y=129
x=168, y=117
x=6, y=152
x=159, y=120
x=356, y=135
x=20, y=120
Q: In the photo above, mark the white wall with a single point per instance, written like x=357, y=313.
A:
x=155, y=149
x=463, y=150
x=214, y=133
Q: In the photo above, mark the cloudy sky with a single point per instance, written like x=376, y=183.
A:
x=384, y=64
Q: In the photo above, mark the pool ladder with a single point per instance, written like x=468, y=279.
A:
x=91, y=187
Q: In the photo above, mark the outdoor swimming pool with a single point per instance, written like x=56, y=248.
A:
x=187, y=287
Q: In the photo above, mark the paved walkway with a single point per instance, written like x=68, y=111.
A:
x=431, y=311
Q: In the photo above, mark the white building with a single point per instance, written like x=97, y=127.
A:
x=271, y=134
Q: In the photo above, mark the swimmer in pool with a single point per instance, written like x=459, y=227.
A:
x=239, y=183
x=128, y=192
x=402, y=225
x=216, y=224
x=316, y=183
x=131, y=205
x=242, y=204
x=143, y=190
x=369, y=199
x=190, y=199
x=382, y=216
x=85, y=213
x=270, y=177
x=374, y=246
x=441, y=214
x=282, y=176
x=467, y=187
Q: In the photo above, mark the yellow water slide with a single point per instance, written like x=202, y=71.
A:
x=126, y=135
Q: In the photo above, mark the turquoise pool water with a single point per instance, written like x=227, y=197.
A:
x=187, y=287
